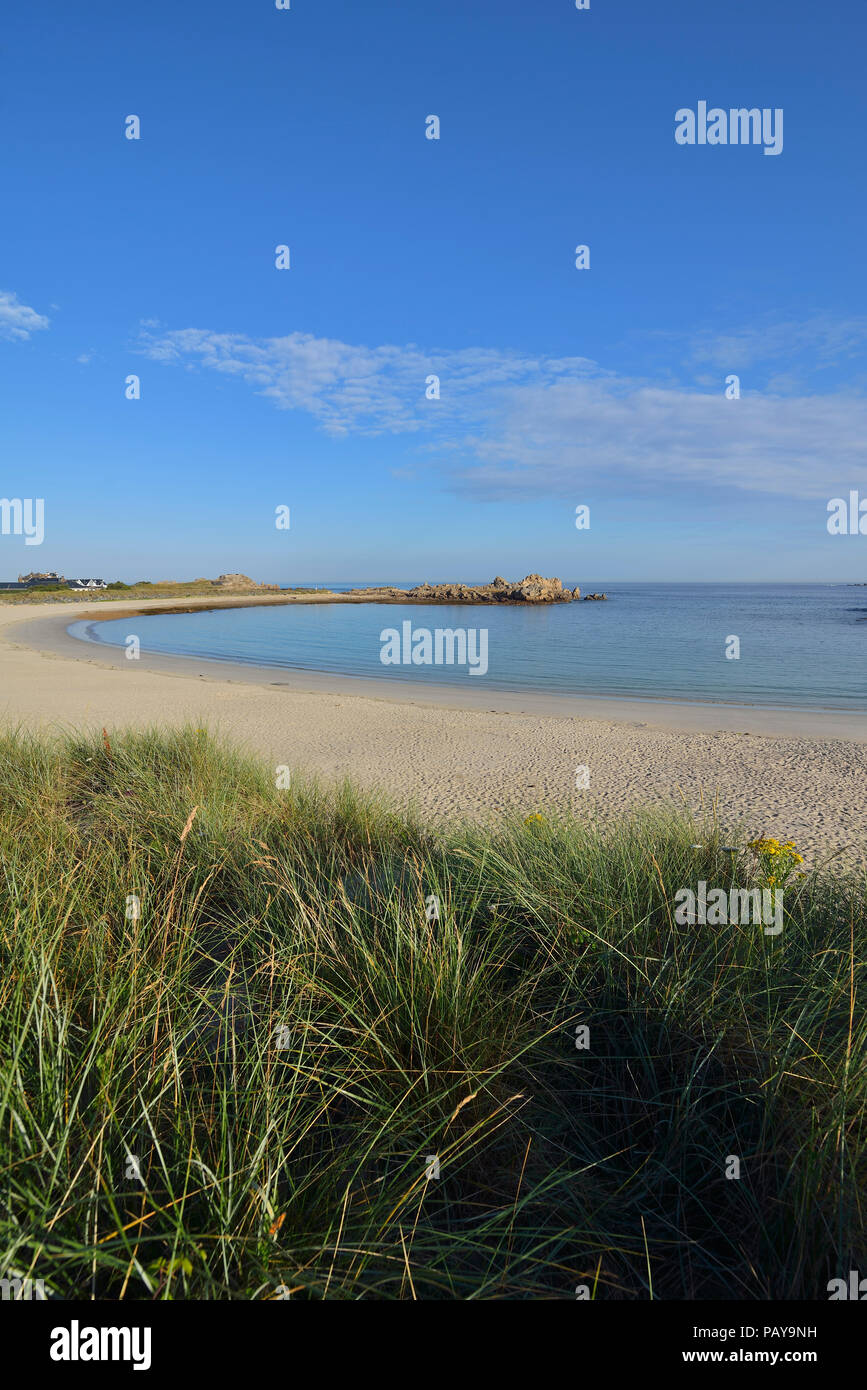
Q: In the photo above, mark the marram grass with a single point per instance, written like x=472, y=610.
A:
x=242, y=1058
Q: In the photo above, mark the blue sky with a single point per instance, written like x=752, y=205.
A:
x=411, y=257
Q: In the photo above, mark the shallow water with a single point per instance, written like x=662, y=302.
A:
x=800, y=645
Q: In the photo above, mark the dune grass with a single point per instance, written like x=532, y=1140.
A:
x=240, y=1056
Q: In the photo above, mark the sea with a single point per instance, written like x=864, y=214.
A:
x=784, y=645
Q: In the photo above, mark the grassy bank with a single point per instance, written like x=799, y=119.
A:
x=232, y=1045
x=163, y=589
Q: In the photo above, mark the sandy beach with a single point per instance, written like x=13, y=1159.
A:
x=797, y=774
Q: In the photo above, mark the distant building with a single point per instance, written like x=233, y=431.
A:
x=34, y=580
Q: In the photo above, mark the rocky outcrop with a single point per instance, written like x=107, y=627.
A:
x=240, y=581
x=533, y=589
x=588, y=597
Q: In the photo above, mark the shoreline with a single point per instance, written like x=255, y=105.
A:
x=457, y=753
x=51, y=637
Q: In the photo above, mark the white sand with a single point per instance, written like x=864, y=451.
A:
x=795, y=774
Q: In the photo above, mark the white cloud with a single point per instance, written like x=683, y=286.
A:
x=17, y=320
x=825, y=340
x=352, y=387
x=532, y=426
x=601, y=433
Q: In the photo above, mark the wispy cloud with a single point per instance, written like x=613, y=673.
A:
x=17, y=320
x=608, y=434
x=825, y=341
x=518, y=426
x=370, y=390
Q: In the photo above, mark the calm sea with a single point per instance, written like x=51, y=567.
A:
x=800, y=644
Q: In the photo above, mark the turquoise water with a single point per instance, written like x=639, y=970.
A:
x=800, y=645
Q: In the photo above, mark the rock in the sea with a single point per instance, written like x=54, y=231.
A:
x=588, y=597
x=533, y=589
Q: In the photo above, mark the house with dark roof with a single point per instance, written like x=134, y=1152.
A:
x=35, y=581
